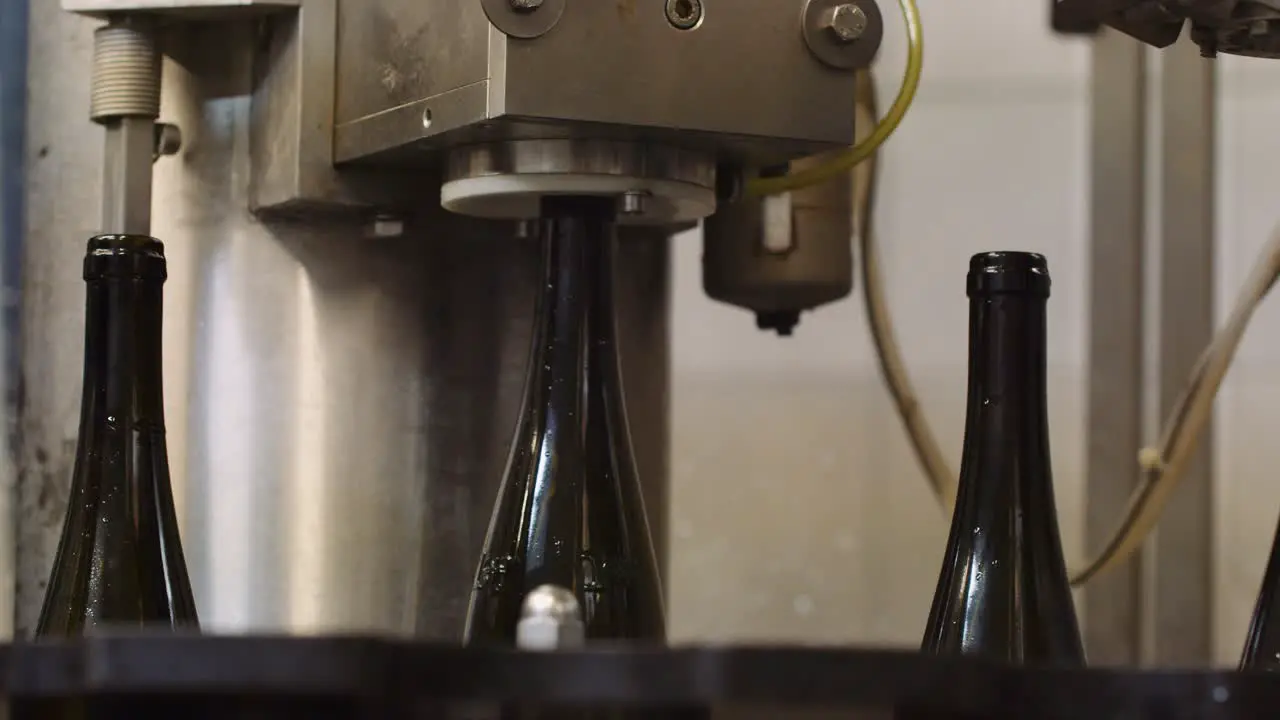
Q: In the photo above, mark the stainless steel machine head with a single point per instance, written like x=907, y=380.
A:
x=376, y=103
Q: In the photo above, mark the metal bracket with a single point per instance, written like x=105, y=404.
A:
x=292, y=132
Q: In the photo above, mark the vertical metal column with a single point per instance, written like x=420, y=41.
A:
x=1112, y=626
x=1182, y=577
x=13, y=117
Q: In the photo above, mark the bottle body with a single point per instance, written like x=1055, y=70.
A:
x=569, y=513
x=1262, y=644
x=1003, y=592
x=120, y=561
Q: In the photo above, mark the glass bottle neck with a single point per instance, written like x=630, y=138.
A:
x=576, y=334
x=1007, y=373
x=122, y=373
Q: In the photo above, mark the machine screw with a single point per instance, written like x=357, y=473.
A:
x=684, y=14
x=635, y=202
x=168, y=141
x=525, y=5
x=846, y=21
x=386, y=225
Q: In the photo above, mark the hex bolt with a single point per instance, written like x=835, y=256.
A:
x=846, y=22
x=525, y=5
x=635, y=202
x=386, y=225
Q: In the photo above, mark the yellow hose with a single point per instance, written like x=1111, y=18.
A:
x=845, y=161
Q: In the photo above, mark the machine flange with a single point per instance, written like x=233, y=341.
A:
x=656, y=185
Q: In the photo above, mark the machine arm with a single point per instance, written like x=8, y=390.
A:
x=1236, y=27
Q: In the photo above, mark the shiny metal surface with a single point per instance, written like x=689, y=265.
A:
x=339, y=407
x=291, y=139
x=785, y=253
x=125, y=98
x=645, y=79
x=292, y=160
x=583, y=157
x=550, y=619
x=1117, y=390
x=126, y=176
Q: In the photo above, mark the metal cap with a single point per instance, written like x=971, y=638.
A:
x=125, y=256
x=1008, y=272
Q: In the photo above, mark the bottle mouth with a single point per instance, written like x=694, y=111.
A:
x=137, y=256
x=1006, y=271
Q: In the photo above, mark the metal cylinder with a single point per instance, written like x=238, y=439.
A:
x=126, y=72
x=339, y=406
x=781, y=255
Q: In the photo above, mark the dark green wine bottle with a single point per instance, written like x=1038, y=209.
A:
x=120, y=561
x=1003, y=593
x=569, y=514
x=1262, y=645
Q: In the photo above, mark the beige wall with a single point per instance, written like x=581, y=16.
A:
x=1248, y=454
x=799, y=513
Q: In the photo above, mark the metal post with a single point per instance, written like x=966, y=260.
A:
x=13, y=116
x=1118, y=114
x=1182, y=576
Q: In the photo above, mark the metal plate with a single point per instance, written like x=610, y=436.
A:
x=523, y=23
x=102, y=8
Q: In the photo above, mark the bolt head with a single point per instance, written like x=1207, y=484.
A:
x=386, y=226
x=525, y=5
x=846, y=22
x=635, y=202
x=550, y=619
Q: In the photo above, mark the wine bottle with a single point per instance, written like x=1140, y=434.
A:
x=119, y=562
x=1262, y=645
x=569, y=514
x=1003, y=592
